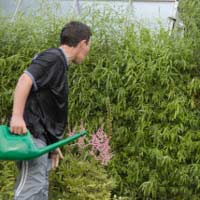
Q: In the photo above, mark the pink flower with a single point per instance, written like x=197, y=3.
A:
x=100, y=147
x=99, y=143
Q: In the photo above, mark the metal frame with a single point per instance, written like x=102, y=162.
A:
x=16, y=10
x=174, y=17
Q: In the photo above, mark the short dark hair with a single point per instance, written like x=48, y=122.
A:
x=74, y=32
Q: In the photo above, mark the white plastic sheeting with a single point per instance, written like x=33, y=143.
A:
x=147, y=12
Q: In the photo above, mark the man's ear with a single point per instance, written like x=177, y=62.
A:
x=83, y=43
x=80, y=45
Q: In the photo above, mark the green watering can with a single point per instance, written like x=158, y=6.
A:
x=22, y=147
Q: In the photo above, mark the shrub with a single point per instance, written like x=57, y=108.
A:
x=7, y=174
x=189, y=12
x=80, y=179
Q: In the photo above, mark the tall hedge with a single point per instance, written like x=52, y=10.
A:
x=189, y=13
x=142, y=84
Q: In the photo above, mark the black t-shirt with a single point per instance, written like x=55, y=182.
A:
x=46, y=108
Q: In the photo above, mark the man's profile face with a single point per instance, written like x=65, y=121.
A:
x=83, y=49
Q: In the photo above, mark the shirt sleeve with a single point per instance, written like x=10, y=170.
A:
x=42, y=70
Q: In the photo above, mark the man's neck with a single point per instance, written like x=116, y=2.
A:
x=69, y=53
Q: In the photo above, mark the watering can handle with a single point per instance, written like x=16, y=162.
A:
x=27, y=132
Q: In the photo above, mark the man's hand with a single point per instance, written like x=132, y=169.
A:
x=55, y=156
x=17, y=125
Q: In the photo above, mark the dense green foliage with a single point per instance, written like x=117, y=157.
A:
x=80, y=178
x=143, y=85
x=189, y=11
x=7, y=174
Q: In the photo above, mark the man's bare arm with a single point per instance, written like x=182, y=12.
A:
x=22, y=90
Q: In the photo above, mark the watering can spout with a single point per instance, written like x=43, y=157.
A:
x=60, y=143
x=22, y=147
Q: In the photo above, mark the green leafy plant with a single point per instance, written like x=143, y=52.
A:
x=78, y=178
x=7, y=173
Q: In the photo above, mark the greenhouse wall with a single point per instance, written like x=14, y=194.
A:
x=147, y=12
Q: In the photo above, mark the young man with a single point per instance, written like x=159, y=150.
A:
x=41, y=105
